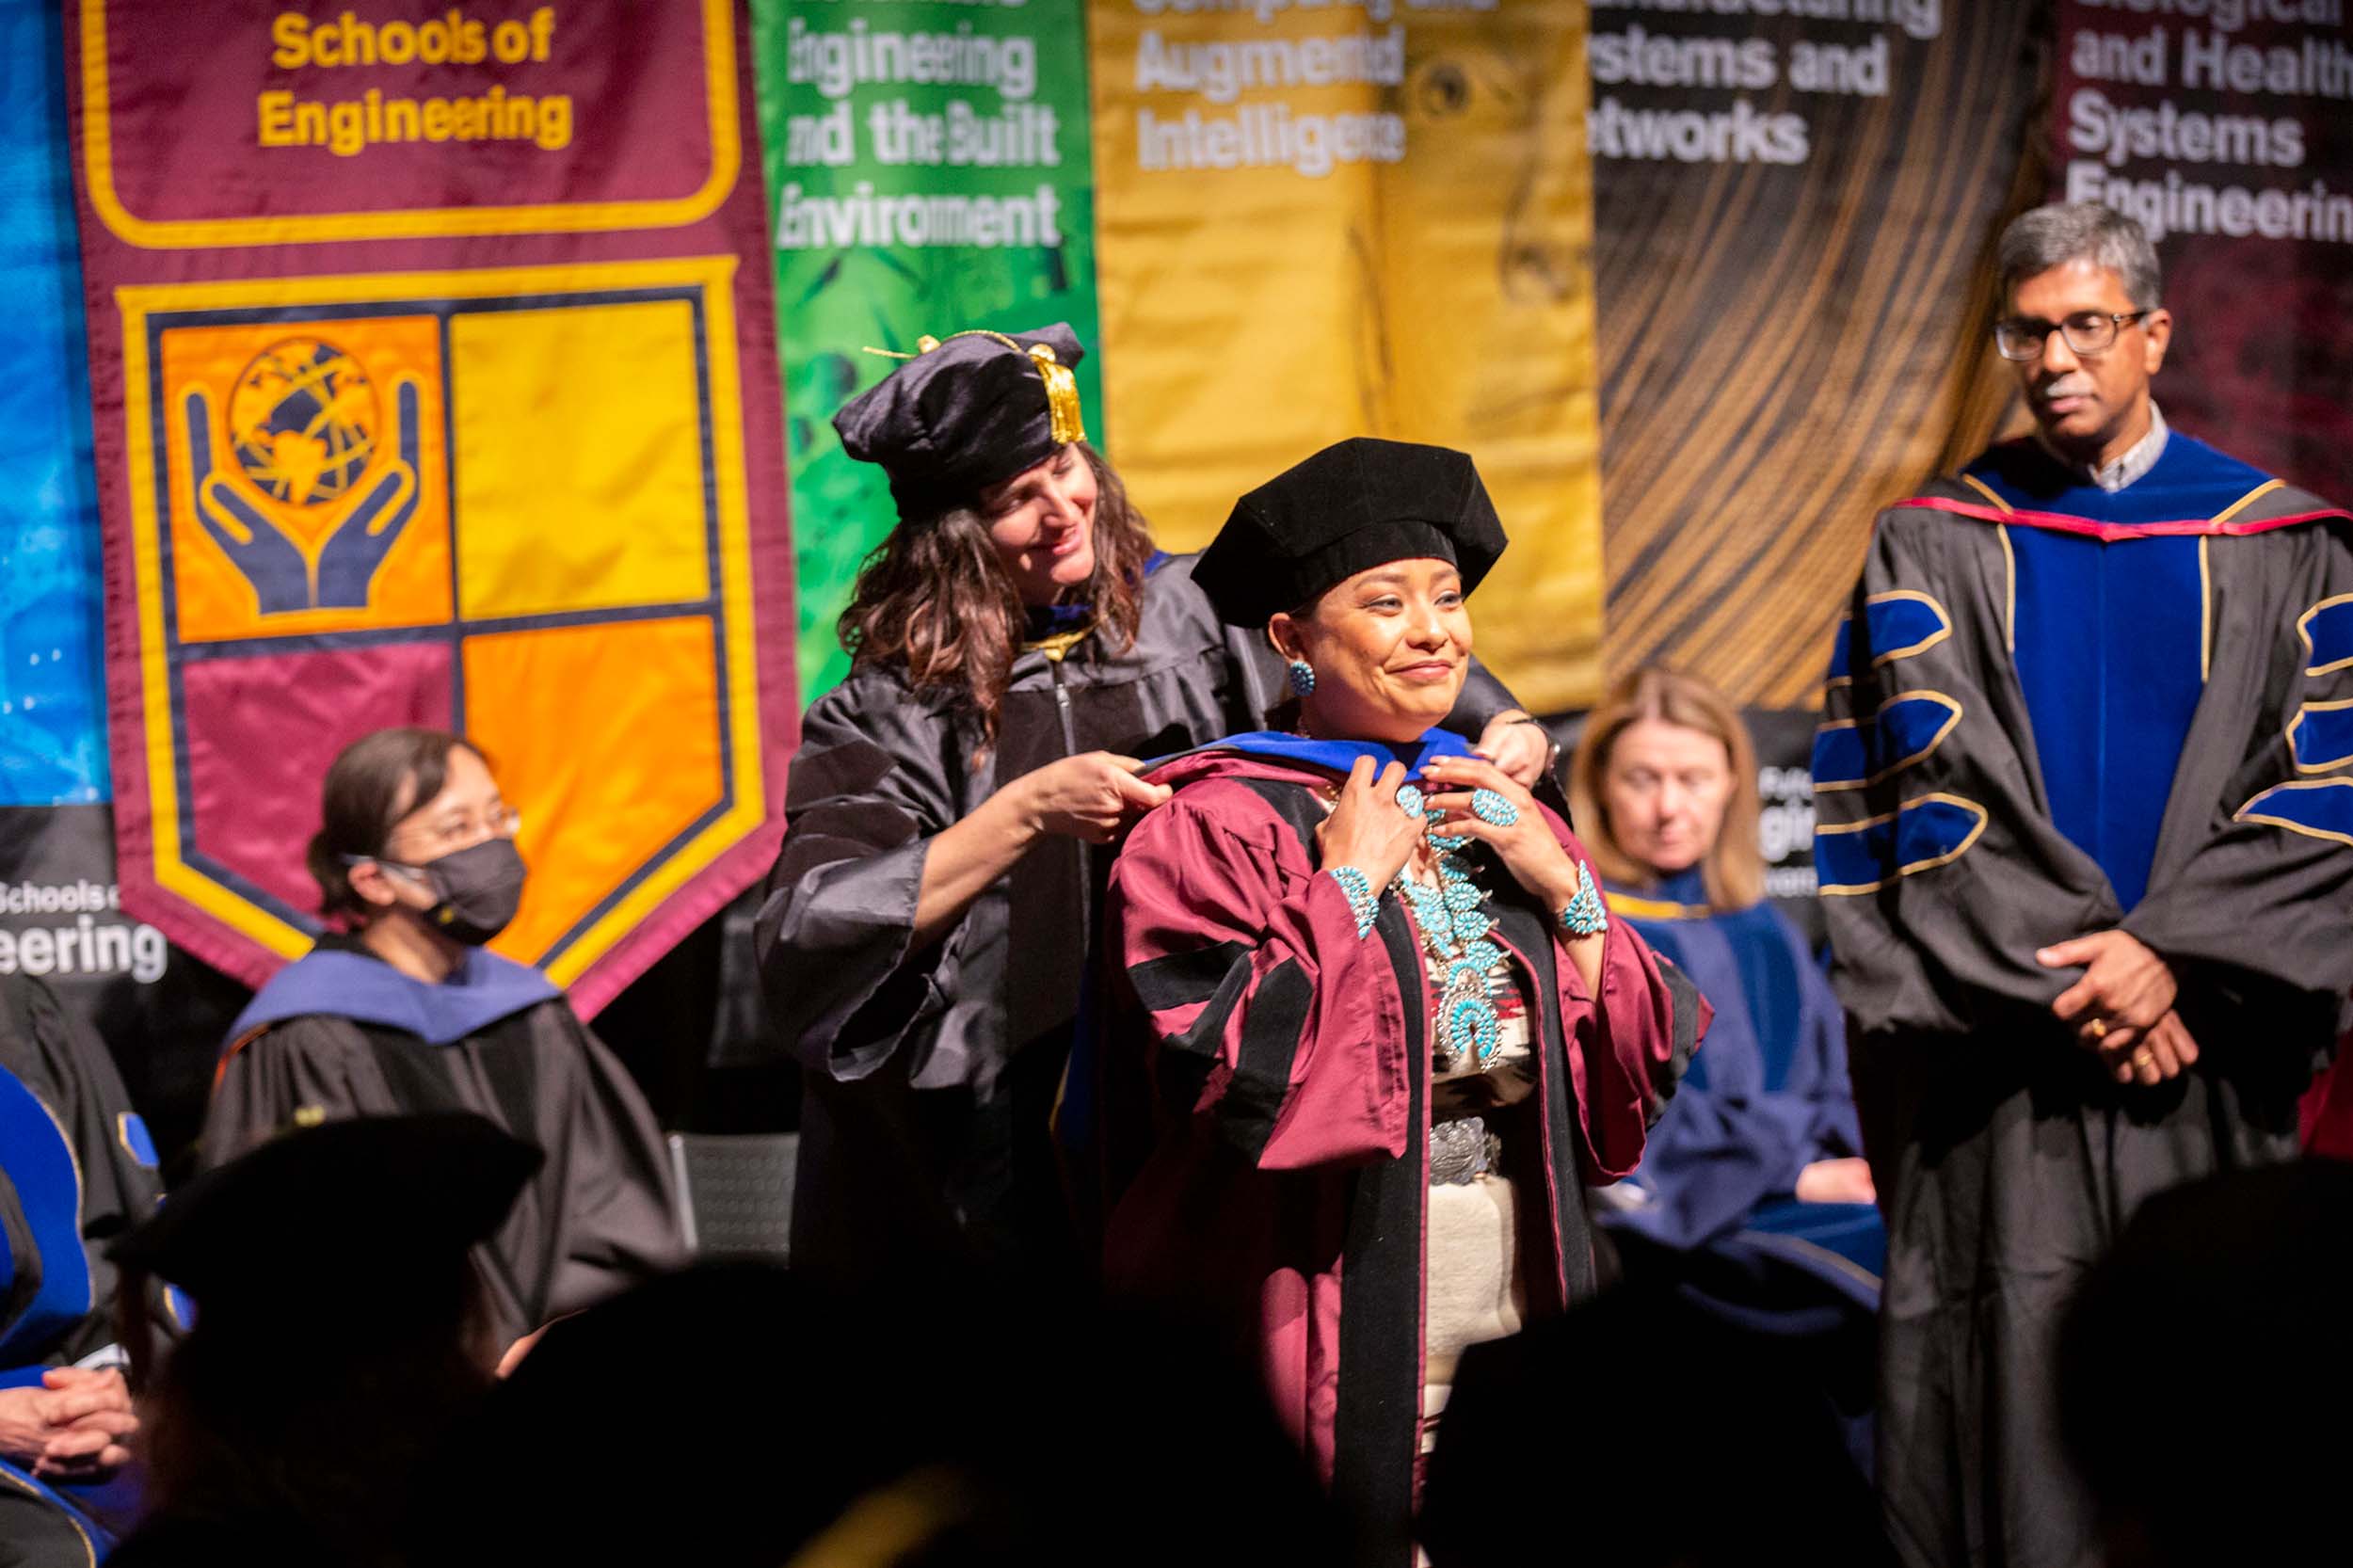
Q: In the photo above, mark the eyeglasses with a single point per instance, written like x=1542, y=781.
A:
x=2086, y=331
x=453, y=832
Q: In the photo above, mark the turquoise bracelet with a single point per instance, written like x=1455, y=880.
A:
x=1585, y=915
x=1362, y=901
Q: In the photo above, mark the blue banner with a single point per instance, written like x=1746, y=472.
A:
x=53, y=716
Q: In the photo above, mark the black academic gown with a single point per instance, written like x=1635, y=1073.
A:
x=2055, y=711
x=55, y=1056
x=76, y=1169
x=932, y=1074
x=341, y=1034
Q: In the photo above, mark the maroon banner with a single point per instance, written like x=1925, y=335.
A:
x=2226, y=128
x=433, y=366
x=325, y=122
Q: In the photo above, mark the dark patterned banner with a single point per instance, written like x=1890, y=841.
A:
x=2226, y=127
x=433, y=377
x=1794, y=209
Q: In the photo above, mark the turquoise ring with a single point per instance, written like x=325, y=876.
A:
x=1409, y=799
x=1493, y=810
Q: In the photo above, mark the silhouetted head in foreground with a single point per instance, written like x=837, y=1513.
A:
x=736, y=1414
x=1664, y=1435
x=340, y=1335
x=2204, y=1379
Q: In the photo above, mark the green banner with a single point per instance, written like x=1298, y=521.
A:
x=928, y=171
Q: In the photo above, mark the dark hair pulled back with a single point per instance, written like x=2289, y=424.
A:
x=374, y=782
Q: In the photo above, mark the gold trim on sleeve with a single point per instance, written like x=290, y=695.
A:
x=2304, y=630
x=2317, y=764
x=1953, y=712
x=2249, y=813
x=2236, y=507
x=1845, y=889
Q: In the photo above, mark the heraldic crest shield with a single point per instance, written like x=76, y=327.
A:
x=509, y=504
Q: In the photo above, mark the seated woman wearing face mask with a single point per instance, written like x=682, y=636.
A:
x=407, y=1012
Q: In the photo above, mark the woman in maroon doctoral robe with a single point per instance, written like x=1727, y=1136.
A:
x=1374, y=1033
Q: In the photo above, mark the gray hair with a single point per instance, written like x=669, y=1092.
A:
x=2068, y=232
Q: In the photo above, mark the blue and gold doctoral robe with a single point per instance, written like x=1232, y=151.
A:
x=2054, y=709
x=76, y=1168
x=1768, y=1098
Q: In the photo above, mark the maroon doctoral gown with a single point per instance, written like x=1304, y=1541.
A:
x=1265, y=1104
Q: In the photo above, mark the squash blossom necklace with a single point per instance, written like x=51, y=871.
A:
x=1454, y=931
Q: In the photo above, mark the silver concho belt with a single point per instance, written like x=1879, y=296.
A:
x=1463, y=1151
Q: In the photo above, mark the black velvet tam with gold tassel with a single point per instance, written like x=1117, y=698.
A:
x=966, y=412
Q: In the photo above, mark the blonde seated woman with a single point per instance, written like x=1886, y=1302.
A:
x=1753, y=1189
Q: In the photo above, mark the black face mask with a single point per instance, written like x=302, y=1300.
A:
x=480, y=887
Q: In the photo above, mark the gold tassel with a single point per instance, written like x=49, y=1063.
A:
x=1065, y=419
x=1057, y=646
x=1062, y=395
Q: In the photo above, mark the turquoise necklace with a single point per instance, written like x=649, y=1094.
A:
x=1455, y=932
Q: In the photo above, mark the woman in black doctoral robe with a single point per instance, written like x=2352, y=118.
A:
x=1018, y=647
x=410, y=1013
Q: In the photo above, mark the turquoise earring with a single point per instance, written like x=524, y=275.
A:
x=1303, y=676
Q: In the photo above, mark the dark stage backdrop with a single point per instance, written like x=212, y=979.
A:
x=1792, y=225
x=1784, y=786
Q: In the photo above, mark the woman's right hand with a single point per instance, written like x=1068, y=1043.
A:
x=1368, y=830
x=1088, y=796
x=1846, y=1180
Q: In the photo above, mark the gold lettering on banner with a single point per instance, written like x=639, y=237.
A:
x=349, y=126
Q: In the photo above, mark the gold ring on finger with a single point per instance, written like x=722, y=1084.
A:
x=2099, y=1028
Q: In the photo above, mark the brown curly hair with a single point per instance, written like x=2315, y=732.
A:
x=934, y=599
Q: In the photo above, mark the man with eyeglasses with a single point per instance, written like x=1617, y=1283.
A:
x=2083, y=798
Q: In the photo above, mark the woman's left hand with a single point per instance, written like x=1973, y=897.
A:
x=1520, y=749
x=1526, y=846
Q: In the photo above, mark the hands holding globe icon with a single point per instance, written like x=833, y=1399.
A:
x=348, y=559
x=303, y=432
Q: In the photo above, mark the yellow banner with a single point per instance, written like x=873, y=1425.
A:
x=1322, y=219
